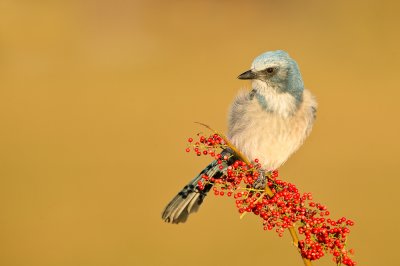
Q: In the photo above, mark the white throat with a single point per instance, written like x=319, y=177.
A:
x=282, y=103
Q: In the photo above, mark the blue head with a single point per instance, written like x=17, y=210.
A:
x=277, y=71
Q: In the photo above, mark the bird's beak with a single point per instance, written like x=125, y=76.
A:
x=248, y=75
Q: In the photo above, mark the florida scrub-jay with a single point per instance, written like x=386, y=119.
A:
x=268, y=123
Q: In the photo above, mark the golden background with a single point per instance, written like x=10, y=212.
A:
x=97, y=99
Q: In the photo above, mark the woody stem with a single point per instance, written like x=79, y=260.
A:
x=268, y=191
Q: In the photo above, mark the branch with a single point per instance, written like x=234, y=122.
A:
x=268, y=191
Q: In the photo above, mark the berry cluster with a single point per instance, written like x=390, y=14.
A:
x=206, y=145
x=280, y=204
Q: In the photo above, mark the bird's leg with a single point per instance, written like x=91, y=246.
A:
x=261, y=181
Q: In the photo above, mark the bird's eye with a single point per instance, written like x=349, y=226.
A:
x=270, y=70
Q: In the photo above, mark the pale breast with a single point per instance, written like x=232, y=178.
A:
x=266, y=135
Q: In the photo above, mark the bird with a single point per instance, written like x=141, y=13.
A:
x=269, y=123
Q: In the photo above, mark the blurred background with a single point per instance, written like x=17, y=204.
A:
x=97, y=99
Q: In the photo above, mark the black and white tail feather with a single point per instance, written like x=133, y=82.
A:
x=189, y=199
